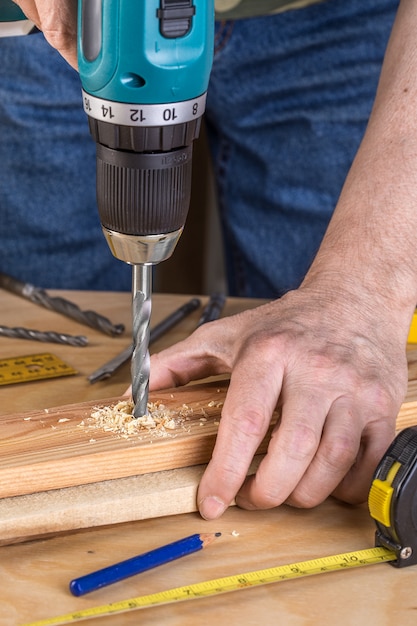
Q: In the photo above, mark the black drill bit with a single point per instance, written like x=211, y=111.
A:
x=46, y=336
x=213, y=308
x=59, y=305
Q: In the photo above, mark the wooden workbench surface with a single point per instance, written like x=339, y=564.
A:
x=34, y=576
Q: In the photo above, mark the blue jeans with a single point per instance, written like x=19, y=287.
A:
x=289, y=99
x=50, y=229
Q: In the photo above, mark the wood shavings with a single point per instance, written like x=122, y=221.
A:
x=119, y=419
x=160, y=421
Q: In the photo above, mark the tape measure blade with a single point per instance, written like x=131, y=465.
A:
x=238, y=582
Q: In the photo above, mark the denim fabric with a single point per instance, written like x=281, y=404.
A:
x=49, y=225
x=289, y=99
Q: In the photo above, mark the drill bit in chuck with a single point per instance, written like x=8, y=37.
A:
x=59, y=305
x=106, y=370
x=47, y=336
x=141, y=312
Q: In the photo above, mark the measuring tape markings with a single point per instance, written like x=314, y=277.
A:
x=33, y=367
x=228, y=584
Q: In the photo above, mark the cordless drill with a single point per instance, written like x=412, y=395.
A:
x=13, y=22
x=144, y=67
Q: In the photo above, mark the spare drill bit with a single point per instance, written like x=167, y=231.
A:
x=106, y=370
x=39, y=335
x=141, y=313
x=213, y=309
x=59, y=305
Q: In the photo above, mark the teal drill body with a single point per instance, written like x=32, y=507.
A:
x=10, y=12
x=13, y=22
x=144, y=67
x=125, y=57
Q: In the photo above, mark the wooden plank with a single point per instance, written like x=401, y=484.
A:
x=159, y=494
x=100, y=504
x=153, y=495
x=43, y=450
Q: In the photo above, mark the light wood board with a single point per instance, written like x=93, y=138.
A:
x=55, y=448
x=122, y=499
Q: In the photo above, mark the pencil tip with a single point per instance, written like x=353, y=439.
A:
x=207, y=538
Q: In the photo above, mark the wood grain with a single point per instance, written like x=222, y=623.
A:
x=154, y=494
x=42, y=450
x=35, y=574
x=54, y=478
x=150, y=496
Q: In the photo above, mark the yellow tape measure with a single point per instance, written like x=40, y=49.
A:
x=392, y=505
x=24, y=369
x=228, y=584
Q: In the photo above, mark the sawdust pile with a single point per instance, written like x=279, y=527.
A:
x=160, y=421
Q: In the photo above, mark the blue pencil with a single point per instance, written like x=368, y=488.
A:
x=141, y=563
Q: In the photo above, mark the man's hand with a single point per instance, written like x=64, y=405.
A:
x=338, y=376
x=57, y=21
x=331, y=353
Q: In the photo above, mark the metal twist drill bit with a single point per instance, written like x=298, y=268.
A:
x=60, y=305
x=106, y=370
x=141, y=313
x=46, y=336
x=89, y=318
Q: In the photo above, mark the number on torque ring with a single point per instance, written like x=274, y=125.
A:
x=169, y=114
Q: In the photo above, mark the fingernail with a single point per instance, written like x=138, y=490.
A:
x=211, y=507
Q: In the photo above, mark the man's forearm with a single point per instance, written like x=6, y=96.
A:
x=371, y=239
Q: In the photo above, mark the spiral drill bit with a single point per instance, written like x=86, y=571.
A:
x=59, y=305
x=141, y=313
x=46, y=336
x=106, y=370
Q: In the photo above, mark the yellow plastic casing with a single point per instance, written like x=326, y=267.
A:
x=380, y=496
x=412, y=333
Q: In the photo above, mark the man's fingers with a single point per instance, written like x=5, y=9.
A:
x=176, y=366
x=245, y=420
x=58, y=22
x=338, y=451
x=293, y=446
x=29, y=8
x=343, y=464
x=204, y=353
x=354, y=488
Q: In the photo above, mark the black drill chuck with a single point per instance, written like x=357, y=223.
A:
x=143, y=186
x=141, y=193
